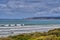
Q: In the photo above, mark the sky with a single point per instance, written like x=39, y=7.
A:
x=18, y=9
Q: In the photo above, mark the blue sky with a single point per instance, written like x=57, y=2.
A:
x=17, y=9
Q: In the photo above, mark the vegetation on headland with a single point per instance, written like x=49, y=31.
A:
x=44, y=18
x=50, y=35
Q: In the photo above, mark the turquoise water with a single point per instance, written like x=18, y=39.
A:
x=28, y=22
x=33, y=26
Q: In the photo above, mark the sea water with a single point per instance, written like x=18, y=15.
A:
x=29, y=22
x=29, y=26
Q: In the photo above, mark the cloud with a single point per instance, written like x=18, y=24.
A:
x=27, y=7
x=55, y=10
x=2, y=6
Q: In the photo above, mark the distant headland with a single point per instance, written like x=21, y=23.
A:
x=44, y=18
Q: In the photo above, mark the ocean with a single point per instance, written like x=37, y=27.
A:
x=29, y=26
x=29, y=22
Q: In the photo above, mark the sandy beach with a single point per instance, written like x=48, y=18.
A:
x=6, y=31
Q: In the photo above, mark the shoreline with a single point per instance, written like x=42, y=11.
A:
x=14, y=30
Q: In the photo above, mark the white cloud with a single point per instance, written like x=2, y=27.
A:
x=3, y=6
x=55, y=10
x=41, y=8
x=40, y=13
